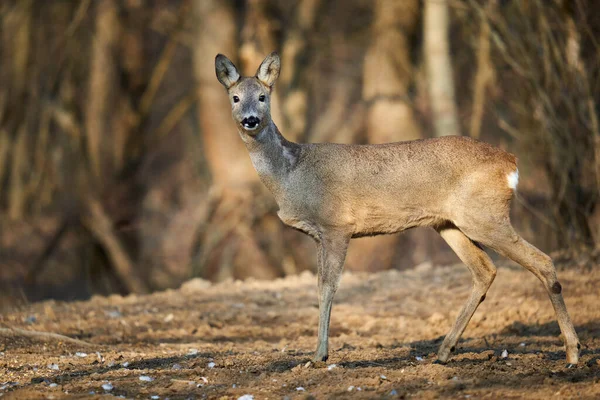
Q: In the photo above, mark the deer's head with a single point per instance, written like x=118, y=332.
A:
x=250, y=97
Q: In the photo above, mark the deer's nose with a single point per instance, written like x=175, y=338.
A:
x=250, y=122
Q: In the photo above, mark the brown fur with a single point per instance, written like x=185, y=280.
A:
x=335, y=192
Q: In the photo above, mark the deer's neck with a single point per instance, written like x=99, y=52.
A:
x=272, y=155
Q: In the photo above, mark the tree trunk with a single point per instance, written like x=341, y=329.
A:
x=228, y=160
x=293, y=83
x=388, y=73
x=101, y=89
x=439, y=68
x=336, y=113
x=16, y=40
x=484, y=78
x=227, y=247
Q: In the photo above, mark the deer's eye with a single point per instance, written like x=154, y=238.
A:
x=261, y=98
x=236, y=99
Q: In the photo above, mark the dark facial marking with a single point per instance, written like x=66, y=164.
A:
x=556, y=288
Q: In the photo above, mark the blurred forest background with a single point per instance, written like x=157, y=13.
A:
x=121, y=169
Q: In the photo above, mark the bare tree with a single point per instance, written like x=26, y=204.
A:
x=388, y=73
x=551, y=97
x=293, y=84
x=485, y=75
x=439, y=67
x=101, y=91
x=228, y=245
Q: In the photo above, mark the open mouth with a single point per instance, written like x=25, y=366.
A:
x=250, y=125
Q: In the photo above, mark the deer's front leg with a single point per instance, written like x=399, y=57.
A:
x=331, y=253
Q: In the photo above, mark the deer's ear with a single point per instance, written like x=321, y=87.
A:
x=268, y=72
x=227, y=73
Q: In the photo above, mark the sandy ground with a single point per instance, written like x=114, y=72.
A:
x=255, y=338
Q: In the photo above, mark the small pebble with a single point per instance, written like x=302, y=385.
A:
x=155, y=397
x=419, y=358
x=9, y=385
x=146, y=378
x=522, y=344
x=80, y=354
x=192, y=352
x=504, y=354
x=125, y=364
x=332, y=366
x=246, y=397
x=393, y=392
x=53, y=367
x=52, y=385
x=176, y=366
x=211, y=364
x=108, y=387
x=113, y=314
x=350, y=388
x=383, y=377
x=300, y=389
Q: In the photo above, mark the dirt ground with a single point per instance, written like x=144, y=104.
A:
x=255, y=339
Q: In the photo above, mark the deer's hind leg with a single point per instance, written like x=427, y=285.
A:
x=502, y=238
x=483, y=273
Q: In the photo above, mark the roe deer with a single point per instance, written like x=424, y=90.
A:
x=334, y=192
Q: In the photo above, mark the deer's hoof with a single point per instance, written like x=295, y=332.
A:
x=570, y=366
x=440, y=362
x=320, y=356
x=572, y=356
x=443, y=355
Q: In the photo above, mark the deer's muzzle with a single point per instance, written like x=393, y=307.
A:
x=250, y=123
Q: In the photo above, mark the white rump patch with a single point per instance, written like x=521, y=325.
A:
x=513, y=179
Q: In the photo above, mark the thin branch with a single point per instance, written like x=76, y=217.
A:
x=44, y=336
